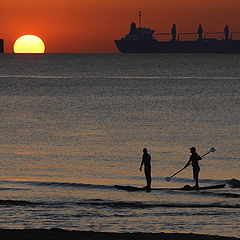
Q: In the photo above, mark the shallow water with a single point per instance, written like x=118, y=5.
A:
x=74, y=125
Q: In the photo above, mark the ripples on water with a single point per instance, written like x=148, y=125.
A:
x=73, y=126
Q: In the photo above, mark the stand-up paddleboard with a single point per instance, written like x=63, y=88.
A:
x=185, y=188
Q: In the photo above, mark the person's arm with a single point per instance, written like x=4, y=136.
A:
x=188, y=163
x=142, y=163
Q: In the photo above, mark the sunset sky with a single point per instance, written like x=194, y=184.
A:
x=69, y=26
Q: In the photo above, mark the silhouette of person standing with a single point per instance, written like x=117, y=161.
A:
x=194, y=158
x=146, y=161
x=200, y=32
x=226, y=31
x=174, y=32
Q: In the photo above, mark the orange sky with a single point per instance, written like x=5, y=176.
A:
x=91, y=25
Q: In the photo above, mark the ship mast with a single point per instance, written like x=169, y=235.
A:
x=140, y=15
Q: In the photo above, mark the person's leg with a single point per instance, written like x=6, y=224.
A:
x=148, y=177
x=195, y=176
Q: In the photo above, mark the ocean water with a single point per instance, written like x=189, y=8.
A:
x=74, y=125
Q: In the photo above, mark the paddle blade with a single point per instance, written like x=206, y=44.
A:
x=168, y=179
x=212, y=149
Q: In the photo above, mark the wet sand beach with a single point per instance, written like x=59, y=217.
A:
x=59, y=234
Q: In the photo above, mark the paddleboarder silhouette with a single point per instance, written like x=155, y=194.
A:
x=146, y=161
x=194, y=158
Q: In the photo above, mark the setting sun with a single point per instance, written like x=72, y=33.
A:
x=29, y=44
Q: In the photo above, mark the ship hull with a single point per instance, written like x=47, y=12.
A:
x=199, y=46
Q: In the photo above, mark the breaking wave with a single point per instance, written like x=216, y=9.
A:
x=233, y=183
x=56, y=184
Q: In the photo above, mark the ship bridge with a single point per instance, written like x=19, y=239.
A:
x=139, y=33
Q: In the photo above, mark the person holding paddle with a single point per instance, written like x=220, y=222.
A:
x=196, y=166
x=194, y=158
x=146, y=161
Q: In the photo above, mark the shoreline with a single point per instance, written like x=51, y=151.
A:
x=60, y=234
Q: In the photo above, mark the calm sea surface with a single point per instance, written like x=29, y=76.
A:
x=74, y=125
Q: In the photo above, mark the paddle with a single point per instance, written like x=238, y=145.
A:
x=169, y=178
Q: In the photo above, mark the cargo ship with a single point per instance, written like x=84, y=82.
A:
x=1, y=46
x=143, y=40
